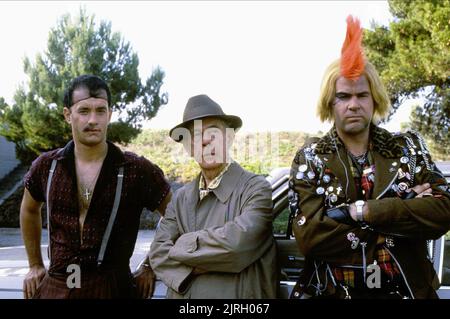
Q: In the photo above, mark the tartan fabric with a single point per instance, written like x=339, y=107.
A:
x=363, y=176
x=354, y=278
x=387, y=265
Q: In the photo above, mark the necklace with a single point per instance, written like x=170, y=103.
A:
x=85, y=188
x=86, y=191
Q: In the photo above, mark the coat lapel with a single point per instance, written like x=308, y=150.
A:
x=386, y=154
x=229, y=182
x=192, y=198
x=386, y=170
x=336, y=165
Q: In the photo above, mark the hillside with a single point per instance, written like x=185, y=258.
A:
x=258, y=152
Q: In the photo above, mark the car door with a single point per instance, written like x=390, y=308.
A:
x=290, y=260
x=440, y=250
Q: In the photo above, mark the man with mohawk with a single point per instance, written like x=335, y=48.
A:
x=366, y=201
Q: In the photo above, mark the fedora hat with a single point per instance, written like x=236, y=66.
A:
x=202, y=106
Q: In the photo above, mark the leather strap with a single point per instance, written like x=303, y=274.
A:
x=49, y=183
x=112, y=217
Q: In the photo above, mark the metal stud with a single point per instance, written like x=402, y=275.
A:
x=418, y=169
x=302, y=168
x=402, y=186
x=320, y=190
x=330, y=189
x=311, y=175
x=404, y=160
x=301, y=221
x=390, y=241
x=394, y=164
x=351, y=236
x=299, y=175
x=326, y=179
x=333, y=198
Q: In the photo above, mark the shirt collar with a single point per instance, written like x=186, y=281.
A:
x=203, y=190
x=114, y=153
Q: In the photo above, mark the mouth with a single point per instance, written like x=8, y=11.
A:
x=354, y=118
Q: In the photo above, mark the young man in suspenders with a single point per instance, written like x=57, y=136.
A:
x=94, y=194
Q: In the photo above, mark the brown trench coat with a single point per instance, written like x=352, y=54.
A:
x=407, y=223
x=228, y=233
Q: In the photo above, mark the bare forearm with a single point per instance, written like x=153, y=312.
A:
x=31, y=225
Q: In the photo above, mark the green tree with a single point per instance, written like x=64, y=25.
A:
x=413, y=58
x=77, y=45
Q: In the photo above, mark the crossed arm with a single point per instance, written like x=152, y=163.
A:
x=176, y=256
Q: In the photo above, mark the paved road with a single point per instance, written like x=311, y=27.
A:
x=14, y=265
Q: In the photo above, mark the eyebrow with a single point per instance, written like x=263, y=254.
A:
x=88, y=107
x=349, y=93
x=212, y=126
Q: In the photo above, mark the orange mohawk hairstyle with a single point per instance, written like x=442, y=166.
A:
x=352, y=57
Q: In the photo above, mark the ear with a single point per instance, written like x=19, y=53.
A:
x=67, y=113
x=110, y=114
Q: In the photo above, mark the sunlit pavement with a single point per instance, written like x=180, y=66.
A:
x=14, y=264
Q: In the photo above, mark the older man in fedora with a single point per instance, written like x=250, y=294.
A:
x=215, y=240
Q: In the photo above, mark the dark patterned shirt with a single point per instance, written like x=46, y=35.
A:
x=144, y=185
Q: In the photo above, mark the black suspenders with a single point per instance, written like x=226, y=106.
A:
x=112, y=217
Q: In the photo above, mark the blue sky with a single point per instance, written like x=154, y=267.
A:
x=261, y=60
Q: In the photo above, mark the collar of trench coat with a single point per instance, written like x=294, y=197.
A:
x=223, y=192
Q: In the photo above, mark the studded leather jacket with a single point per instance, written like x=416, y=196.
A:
x=320, y=180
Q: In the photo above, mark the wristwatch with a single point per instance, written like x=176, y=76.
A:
x=359, y=210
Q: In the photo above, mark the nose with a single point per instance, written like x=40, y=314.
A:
x=206, y=139
x=92, y=118
x=353, y=104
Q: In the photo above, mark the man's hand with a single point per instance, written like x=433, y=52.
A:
x=32, y=280
x=199, y=271
x=422, y=190
x=145, y=281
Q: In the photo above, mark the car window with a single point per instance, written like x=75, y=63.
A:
x=280, y=223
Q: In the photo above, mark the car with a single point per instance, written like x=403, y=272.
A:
x=291, y=261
